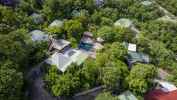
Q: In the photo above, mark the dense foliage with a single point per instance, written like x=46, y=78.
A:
x=140, y=78
x=170, y=5
x=18, y=53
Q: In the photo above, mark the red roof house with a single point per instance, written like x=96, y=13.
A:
x=161, y=95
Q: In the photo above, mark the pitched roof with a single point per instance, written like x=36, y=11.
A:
x=123, y=22
x=60, y=44
x=37, y=35
x=61, y=61
x=77, y=56
x=166, y=86
x=160, y=95
x=146, y=3
x=56, y=23
x=138, y=57
x=127, y=96
x=37, y=18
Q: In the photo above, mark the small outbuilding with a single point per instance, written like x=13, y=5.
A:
x=37, y=35
x=56, y=23
x=123, y=22
x=146, y=3
x=37, y=18
x=99, y=3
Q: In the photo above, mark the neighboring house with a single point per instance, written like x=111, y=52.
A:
x=60, y=61
x=163, y=91
x=89, y=45
x=146, y=3
x=134, y=57
x=37, y=35
x=9, y=2
x=56, y=23
x=123, y=22
x=87, y=41
x=99, y=3
x=60, y=45
x=64, y=60
x=127, y=96
x=37, y=18
x=127, y=23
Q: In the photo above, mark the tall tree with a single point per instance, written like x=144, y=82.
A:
x=11, y=82
x=140, y=78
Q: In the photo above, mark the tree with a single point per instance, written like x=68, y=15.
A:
x=116, y=51
x=73, y=28
x=62, y=84
x=89, y=74
x=106, y=96
x=15, y=46
x=140, y=78
x=11, y=82
x=106, y=33
x=113, y=75
x=51, y=76
x=161, y=55
x=65, y=85
x=115, y=34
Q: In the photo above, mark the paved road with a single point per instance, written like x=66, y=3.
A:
x=37, y=91
x=36, y=88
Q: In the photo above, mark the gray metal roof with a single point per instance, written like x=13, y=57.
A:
x=61, y=61
x=37, y=35
x=138, y=57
